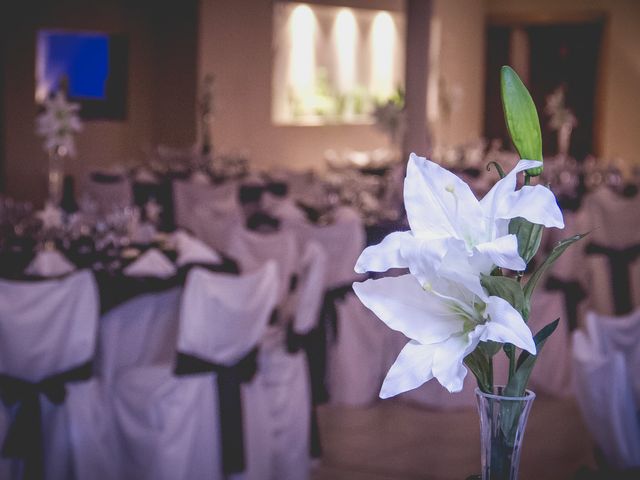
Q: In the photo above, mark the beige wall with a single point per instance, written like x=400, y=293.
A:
x=236, y=46
x=458, y=27
x=160, y=87
x=618, y=114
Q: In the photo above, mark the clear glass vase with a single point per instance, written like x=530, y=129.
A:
x=502, y=424
x=55, y=175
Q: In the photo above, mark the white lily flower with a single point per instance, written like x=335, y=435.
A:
x=445, y=322
x=441, y=305
x=441, y=207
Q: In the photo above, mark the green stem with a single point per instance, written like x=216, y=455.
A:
x=490, y=374
x=510, y=351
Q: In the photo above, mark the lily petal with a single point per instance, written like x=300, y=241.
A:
x=535, y=203
x=405, y=306
x=438, y=203
x=385, y=255
x=506, y=325
x=493, y=201
x=411, y=369
x=458, y=267
x=448, y=366
x=503, y=252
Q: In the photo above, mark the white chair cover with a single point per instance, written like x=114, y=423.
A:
x=342, y=240
x=605, y=399
x=285, y=375
x=552, y=373
x=109, y=196
x=282, y=208
x=189, y=196
x=311, y=280
x=620, y=334
x=169, y=426
x=361, y=355
x=138, y=333
x=46, y=328
x=613, y=222
x=252, y=250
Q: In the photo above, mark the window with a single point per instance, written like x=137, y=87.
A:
x=334, y=64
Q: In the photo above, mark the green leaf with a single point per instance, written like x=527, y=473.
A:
x=505, y=287
x=558, y=250
x=521, y=117
x=529, y=237
x=518, y=382
x=489, y=348
x=481, y=368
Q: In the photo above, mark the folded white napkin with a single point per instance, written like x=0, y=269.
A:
x=49, y=263
x=192, y=250
x=152, y=263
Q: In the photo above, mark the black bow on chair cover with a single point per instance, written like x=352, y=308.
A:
x=619, y=261
x=24, y=438
x=229, y=379
x=573, y=294
x=314, y=344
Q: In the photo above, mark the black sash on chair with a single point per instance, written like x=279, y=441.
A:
x=229, y=379
x=24, y=437
x=314, y=344
x=619, y=260
x=573, y=294
x=329, y=313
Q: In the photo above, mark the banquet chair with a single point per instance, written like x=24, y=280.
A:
x=285, y=369
x=568, y=273
x=205, y=417
x=605, y=399
x=140, y=332
x=620, y=334
x=360, y=347
x=108, y=192
x=613, y=252
x=253, y=249
x=289, y=357
x=210, y=213
x=189, y=196
x=47, y=341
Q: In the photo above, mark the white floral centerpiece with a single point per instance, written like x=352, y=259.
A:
x=389, y=117
x=561, y=118
x=463, y=298
x=58, y=124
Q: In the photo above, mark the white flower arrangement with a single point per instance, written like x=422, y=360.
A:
x=559, y=114
x=58, y=124
x=458, y=304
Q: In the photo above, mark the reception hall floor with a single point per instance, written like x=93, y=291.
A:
x=394, y=440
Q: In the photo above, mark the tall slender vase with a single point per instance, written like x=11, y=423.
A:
x=502, y=425
x=564, y=138
x=56, y=176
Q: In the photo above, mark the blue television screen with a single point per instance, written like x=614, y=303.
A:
x=93, y=65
